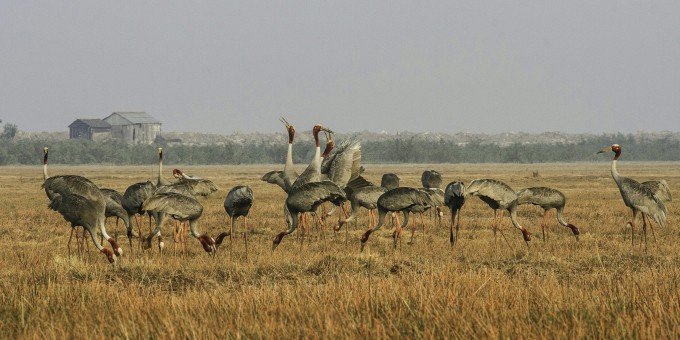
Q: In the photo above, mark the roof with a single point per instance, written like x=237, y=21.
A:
x=135, y=117
x=95, y=123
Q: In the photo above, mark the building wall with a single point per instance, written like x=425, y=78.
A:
x=80, y=130
x=136, y=133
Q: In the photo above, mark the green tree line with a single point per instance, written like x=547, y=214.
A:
x=397, y=150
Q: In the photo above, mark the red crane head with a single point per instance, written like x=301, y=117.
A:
x=291, y=130
x=329, y=147
x=614, y=148
x=318, y=128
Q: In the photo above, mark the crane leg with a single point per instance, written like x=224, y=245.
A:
x=398, y=230
x=231, y=233
x=139, y=229
x=452, y=239
x=245, y=234
x=632, y=228
x=68, y=246
x=651, y=225
x=182, y=236
x=323, y=229
x=457, y=224
x=176, y=237
x=544, y=222
x=493, y=227
x=644, y=230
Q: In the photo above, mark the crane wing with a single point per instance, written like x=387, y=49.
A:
x=454, y=190
x=343, y=164
x=493, y=189
x=640, y=197
x=179, y=206
x=238, y=196
x=661, y=189
x=70, y=206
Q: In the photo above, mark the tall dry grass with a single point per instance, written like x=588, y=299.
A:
x=599, y=287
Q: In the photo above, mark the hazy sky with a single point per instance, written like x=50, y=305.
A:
x=449, y=66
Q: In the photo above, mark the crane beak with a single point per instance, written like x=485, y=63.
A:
x=285, y=122
x=605, y=149
x=325, y=129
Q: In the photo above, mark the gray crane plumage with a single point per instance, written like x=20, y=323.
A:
x=343, y=163
x=199, y=186
x=661, y=189
x=286, y=177
x=431, y=179
x=161, y=180
x=276, y=177
x=404, y=199
x=114, y=208
x=181, y=208
x=638, y=197
x=361, y=193
x=547, y=199
x=238, y=202
x=132, y=201
x=498, y=195
x=306, y=198
x=81, y=211
x=312, y=172
x=58, y=186
x=389, y=181
x=454, y=198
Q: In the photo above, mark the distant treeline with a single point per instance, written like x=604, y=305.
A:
x=397, y=150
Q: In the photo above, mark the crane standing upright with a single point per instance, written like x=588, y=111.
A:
x=639, y=198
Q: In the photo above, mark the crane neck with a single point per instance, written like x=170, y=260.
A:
x=560, y=219
x=45, y=176
x=317, y=154
x=615, y=173
x=289, y=158
x=329, y=148
x=161, y=181
x=316, y=138
x=291, y=136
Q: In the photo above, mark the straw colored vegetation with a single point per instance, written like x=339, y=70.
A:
x=598, y=287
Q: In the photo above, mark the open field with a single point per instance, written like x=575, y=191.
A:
x=598, y=287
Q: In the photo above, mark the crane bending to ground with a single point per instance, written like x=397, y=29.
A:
x=181, y=208
x=133, y=199
x=498, y=195
x=114, y=208
x=404, y=199
x=85, y=189
x=546, y=198
x=454, y=198
x=306, y=198
x=238, y=202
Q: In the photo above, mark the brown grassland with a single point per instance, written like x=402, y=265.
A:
x=599, y=287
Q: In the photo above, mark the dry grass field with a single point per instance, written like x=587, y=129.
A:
x=599, y=287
